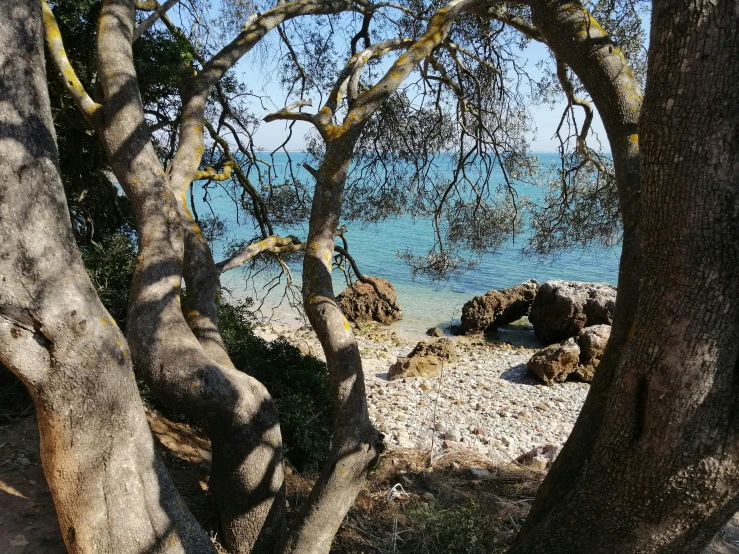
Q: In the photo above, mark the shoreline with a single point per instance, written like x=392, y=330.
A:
x=485, y=402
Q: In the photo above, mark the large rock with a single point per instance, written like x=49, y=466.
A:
x=498, y=307
x=442, y=348
x=592, y=342
x=562, y=308
x=554, y=363
x=425, y=360
x=361, y=303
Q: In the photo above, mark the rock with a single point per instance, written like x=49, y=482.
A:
x=480, y=474
x=19, y=541
x=406, y=481
x=592, y=342
x=498, y=307
x=539, y=463
x=453, y=435
x=540, y=457
x=561, y=308
x=451, y=445
x=421, y=366
x=425, y=360
x=555, y=362
x=443, y=349
x=435, y=332
x=440, y=427
x=360, y=302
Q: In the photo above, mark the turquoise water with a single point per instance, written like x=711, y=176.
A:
x=424, y=303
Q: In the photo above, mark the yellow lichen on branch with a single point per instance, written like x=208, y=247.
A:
x=146, y=5
x=210, y=173
x=87, y=106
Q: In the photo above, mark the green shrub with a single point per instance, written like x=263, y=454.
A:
x=111, y=266
x=457, y=529
x=298, y=384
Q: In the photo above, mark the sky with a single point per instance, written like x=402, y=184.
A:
x=270, y=135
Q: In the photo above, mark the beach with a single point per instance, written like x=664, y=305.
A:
x=485, y=401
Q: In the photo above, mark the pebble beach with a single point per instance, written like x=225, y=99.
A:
x=485, y=401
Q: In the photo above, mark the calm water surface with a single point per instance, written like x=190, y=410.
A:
x=424, y=303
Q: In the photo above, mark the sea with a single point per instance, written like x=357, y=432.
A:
x=376, y=247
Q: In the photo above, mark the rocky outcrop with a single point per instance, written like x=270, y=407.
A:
x=425, y=360
x=592, y=342
x=361, y=303
x=561, y=308
x=498, y=307
x=555, y=362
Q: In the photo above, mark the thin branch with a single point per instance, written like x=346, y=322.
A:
x=212, y=174
x=153, y=18
x=518, y=23
x=286, y=113
x=146, y=5
x=586, y=105
x=274, y=244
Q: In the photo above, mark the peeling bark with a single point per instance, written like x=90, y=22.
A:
x=111, y=491
x=663, y=475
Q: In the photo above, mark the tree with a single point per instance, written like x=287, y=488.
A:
x=178, y=350
x=662, y=473
x=96, y=447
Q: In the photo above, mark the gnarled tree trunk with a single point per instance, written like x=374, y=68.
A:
x=237, y=411
x=579, y=41
x=111, y=491
x=663, y=476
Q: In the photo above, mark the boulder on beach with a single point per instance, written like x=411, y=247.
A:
x=425, y=360
x=592, y=342
x=555, y=362
x=576, y=357
x=498, y=307
x=361, y=303
x=435, y=332
x=561, y=308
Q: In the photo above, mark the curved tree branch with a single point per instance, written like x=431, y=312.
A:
x=87, y=107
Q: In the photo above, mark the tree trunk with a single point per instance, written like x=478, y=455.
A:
x=355, y=443
x=578, y=40
x=111, y=491
x=236, y=410
x=664, y=472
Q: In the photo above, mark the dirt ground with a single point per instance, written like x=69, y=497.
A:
x=401, y=506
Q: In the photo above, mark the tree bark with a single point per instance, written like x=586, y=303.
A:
x=577, y=39
x=236, y=410
x=355, y=443
x=663, y=476
x=111, y=491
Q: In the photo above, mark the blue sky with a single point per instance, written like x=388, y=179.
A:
x=271, y=135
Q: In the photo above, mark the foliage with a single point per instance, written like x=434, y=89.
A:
x=111, y=265
x=456, y=529
x=163, y=61
x=298, y=384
